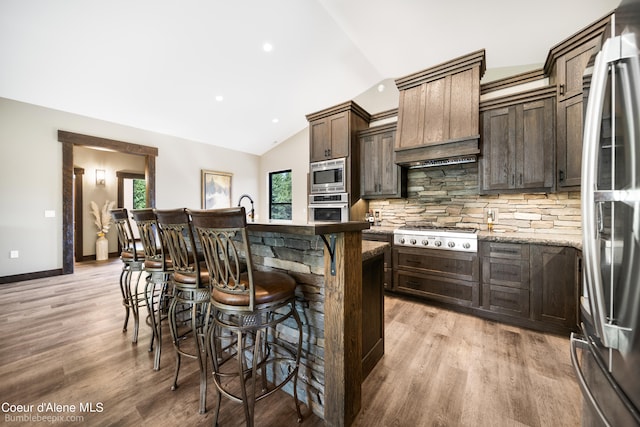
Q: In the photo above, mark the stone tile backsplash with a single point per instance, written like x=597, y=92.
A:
x=448, y=196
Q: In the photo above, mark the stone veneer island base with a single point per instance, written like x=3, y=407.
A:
x=326, y=261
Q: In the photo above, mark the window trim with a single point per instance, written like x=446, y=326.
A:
x=271, y=204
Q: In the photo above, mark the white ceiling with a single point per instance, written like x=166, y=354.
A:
x=159, y=64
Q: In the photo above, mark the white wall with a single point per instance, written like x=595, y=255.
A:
x=31, y=177
x=290, y=154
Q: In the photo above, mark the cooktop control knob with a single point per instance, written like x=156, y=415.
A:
x=402, y=240
x=425, y=242
x=466, y=245
x=438, y=243
x=413, y=241
x=451, y=244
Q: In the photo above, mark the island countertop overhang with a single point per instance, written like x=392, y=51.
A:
x=308, y=229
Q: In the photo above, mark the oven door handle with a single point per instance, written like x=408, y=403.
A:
x=328, y=205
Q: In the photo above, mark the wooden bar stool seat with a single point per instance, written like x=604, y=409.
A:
x=250, y=309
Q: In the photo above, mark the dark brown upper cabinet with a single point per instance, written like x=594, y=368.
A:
x=565, y=66
x=332, y=131
x=380, y=176
x=438, y=111
x=518, y=142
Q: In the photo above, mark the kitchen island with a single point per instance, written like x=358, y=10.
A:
x=326, y=261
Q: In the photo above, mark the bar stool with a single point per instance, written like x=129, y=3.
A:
x=190, y=304
x=247, y=309
x=132, y=261
x=158, y=264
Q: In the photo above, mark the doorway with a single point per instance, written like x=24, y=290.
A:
x=69, y=140
x=131, y=194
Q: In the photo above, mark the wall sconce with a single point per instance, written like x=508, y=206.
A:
x=99, y=176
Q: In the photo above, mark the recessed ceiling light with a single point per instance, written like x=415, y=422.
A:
x=380, y=87
x=275, y=120
x=219, y=98
x=267, y=47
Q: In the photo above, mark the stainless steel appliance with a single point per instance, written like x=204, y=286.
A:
x=453, y=239
x=329, y=207
x=328, y=176
x=608, y=370
x=439, y=264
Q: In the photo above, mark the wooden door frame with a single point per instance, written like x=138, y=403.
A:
x=69, y=140
x=78, y=222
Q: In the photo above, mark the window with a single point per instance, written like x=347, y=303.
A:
x=280, y=195
x=139, y=194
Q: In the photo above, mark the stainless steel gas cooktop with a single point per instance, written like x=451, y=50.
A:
x=433, y=237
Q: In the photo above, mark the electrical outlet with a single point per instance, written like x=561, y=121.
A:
x=491, y=213
x=49, y=214
x=14, y=254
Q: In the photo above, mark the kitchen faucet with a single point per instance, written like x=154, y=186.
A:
x=252, y=211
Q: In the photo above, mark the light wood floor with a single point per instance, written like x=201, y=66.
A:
x=62, y=343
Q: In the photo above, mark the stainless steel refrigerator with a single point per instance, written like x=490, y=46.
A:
x=606, y=356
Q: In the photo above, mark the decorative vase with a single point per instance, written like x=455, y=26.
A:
x=102, y=249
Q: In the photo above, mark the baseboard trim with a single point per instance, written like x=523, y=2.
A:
x=30, y=276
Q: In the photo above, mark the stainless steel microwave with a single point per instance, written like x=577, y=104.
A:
x=328, y=176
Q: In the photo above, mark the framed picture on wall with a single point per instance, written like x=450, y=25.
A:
x=216, y=189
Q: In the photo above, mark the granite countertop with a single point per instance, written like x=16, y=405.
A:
x=309, y=229
x=371, y=248
x=569, y=240
x=380, y=230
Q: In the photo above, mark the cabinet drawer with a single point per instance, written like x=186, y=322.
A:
x=504, y=250
x=438, y=288
x=434, y=262
x=513, y=273
x=506, y=300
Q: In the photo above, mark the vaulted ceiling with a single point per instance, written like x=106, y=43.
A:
x=162, y=65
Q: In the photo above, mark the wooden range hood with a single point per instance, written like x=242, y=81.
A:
x=438, y=113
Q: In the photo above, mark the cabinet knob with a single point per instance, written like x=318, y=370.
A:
x=561, y=89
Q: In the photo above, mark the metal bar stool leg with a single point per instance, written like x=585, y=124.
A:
x=125, y=296
x=149, y=290
x=174, y=335
x=201, y=355
x=135, y=301
x=161, y=301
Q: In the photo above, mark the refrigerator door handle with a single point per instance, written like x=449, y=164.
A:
x=575, y=342
x=592, y=123
x=613, y=50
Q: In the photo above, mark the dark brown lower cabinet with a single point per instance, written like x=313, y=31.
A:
x=554, y=296
x=505, y=278
x=533, y=286
x=449, y=277
x=388, y=266
x=530, y=285
x=372, y=313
